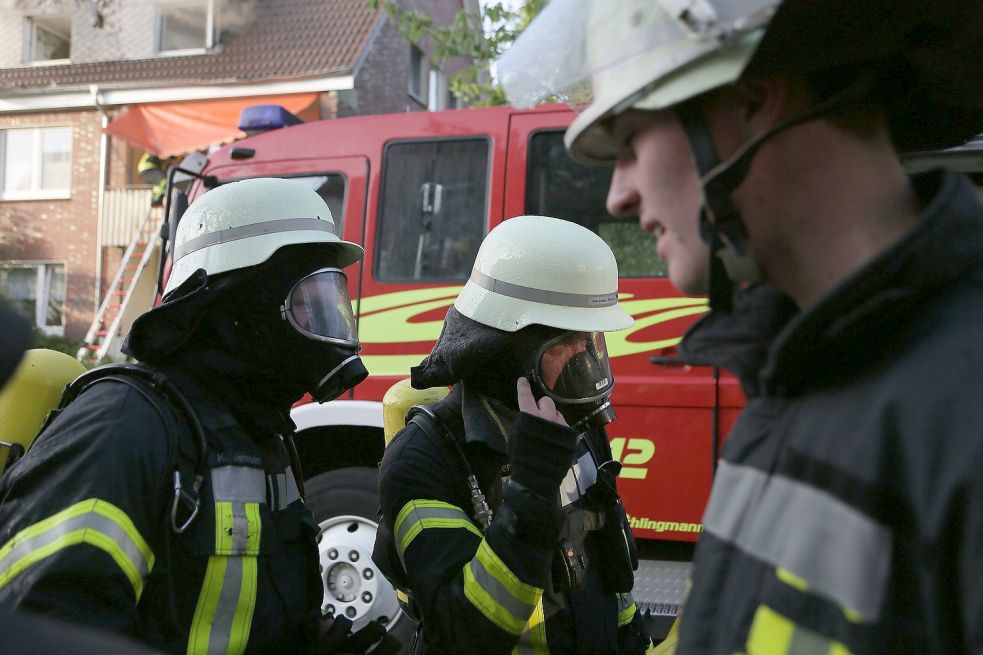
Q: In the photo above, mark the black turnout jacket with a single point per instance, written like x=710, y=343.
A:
x=492, y=591
x=86, y=536
x=847, y=512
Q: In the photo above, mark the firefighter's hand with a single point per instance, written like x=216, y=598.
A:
x=336, y=638
x=545, y=408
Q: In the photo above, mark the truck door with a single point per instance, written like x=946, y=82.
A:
x=664, y=430
x=433, y=205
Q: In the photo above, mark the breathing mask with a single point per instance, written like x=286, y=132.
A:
x=318, y=308
x=574, y=370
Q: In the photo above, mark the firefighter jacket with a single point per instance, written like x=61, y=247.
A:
x=493, y=591
x=847, y=512
x=85, y=527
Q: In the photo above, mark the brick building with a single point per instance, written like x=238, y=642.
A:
x=85, y=88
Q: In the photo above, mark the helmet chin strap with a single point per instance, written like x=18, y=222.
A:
x=721, y=226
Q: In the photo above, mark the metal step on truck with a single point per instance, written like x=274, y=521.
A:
x=419, y=191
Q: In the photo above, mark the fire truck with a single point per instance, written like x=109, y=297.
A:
x=419, y=191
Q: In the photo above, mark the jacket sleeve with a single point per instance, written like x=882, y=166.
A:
x=473, y=590
x=82, y=513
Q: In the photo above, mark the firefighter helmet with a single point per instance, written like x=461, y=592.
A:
x=241, y=224
x=655, y=54
x=535, y=270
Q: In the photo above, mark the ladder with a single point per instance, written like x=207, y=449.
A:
x=130, y=294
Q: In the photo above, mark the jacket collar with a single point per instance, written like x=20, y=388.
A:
x=784, y=352
x=483, y=420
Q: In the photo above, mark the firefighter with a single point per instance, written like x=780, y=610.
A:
x=846, y=514
x=161, y=503
x=501, y=523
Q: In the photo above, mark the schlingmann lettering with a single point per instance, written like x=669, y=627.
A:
x=641, y=523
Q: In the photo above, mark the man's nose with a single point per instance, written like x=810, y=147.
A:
x=622, y=197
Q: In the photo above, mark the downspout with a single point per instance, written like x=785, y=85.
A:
x=101, y=196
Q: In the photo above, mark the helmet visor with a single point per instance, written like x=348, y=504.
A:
x=319, y=308
x=574, y=367
x=582, y=51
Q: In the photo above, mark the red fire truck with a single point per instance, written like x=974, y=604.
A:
x=419, y=191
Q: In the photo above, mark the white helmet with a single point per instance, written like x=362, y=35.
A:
x=643, y=54
x=535, y=270
x=242, y=224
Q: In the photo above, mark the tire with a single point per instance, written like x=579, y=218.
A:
x=346, y=504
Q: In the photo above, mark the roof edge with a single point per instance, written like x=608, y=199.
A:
x=96, y=97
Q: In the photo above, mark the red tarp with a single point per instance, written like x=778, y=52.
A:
x=169, y=129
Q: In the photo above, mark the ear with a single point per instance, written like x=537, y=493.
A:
x=767, y=100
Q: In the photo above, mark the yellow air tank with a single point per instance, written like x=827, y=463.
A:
x=34, y=390
x=398, y=400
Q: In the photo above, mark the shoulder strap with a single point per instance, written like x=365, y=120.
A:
x=153, y=386
x=427, y=420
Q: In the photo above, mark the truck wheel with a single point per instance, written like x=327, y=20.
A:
x=346, y=503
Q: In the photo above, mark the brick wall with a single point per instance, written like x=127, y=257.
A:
x=61, y=230
x=382, y=83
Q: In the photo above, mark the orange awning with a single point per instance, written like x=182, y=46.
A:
x=169, y=129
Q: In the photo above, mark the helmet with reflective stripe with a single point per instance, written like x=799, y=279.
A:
x=535, y=270
x=241, y=224
x=655, y=54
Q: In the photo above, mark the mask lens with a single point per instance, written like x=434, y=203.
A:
x=575, y=367
x=318, y=307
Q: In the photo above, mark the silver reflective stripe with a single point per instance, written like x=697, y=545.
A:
x=440, y=517
x=240, y=529
x=252, y=230
x=840, y=552
x=89, y=521
x=283, y=489
x=531, y=294
x=241, y=484
x=498, y=592
x=580, y=477
x=228, y=602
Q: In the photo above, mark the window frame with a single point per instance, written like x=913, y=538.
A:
x=40, y=308
x=380, y=212
x=211, y=28
x=35, y=192
x=32, y=24
x=417, y=73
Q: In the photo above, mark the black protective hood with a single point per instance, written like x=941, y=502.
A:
x=487, y=359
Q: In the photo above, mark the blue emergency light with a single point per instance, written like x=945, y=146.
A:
x=263, y=118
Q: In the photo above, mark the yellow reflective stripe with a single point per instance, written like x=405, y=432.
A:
x=626, y=615
x=485, y=604
x=773, y=634
x=92, y=521
x=526, y=593
x=224, y=614
x=497, y=593
x=802, y=585
x=419, y=515
x=533, y=638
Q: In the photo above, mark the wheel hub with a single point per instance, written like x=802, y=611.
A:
x=353, y=586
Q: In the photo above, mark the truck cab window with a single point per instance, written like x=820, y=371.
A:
x=433, y=210
x=331, y=187
x=558, y=186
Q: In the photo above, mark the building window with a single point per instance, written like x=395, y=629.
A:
x=417, y=72
x=556, y=185
x=186, y=26
x=37, y=291
x=49, y=38
x=436, y=90
x=434, y=209
x=35, y=163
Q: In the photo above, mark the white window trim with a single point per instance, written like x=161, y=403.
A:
x=36, y=194
x=211, y=29
x=41, y=308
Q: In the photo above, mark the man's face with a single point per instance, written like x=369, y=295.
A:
x=655, y=177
